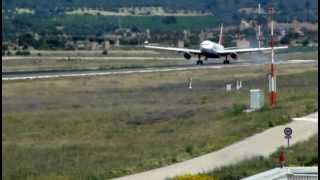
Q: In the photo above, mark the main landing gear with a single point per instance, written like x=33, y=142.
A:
x=226, y=61
x=199, y=62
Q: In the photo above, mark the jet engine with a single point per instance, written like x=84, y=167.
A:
x=234, y=55
x=187, y=56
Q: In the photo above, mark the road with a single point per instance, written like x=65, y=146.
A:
x=6, y=76
x=262, y=144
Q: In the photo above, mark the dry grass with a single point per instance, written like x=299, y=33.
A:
x=108, y=126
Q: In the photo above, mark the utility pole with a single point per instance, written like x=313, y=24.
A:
x=272, y=79
x=259, y=26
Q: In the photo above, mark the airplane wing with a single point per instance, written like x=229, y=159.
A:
x=193, y=51
x=247, y=50
x=228, y=48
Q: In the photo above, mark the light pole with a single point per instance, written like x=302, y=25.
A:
x=272, y=83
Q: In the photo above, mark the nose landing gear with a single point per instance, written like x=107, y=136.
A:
x=199, y=62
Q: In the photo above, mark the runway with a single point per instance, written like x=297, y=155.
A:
x=87, y=58
x=31, y=75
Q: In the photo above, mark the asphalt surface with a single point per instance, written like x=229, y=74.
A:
x=29, y=75
x=261, y=144
x=87, y=58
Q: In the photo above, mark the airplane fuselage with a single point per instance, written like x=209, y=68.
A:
x=209, y=49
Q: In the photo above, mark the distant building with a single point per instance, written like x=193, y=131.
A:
x=243, y=43
x=287, y=173
x=87, y=44
x=244, y=25
x=202, y=36
x=36, y=36
x=81, y=45
x=106, y=45
x=59, y=28
x=180, y=44
x=117, y=43
x=70, y=45
x=94, y=45
x=148, y=34
x=186, y=35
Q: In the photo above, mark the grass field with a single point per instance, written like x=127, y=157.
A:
x=79, y=60
x=109, y=126
x=301, y=154
x=85, y=64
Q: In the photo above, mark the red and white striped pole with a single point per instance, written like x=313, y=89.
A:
x=273, y=92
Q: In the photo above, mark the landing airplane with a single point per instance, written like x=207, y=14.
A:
x=210, y=49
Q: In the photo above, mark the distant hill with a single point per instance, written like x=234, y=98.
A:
x=223, y=9
x=84, y=18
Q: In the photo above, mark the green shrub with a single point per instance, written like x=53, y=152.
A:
x=23, y=53
x=189, y=149
x=310, y=107
x=195, y=177
x=238, y=109
x=105, y=52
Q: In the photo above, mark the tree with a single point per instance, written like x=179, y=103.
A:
x=235, y=17
x=169, y=20
x=305, y=42
x=135, y=29
x=307, y=5
x=105, y=52
x=23, y=53
x=26, y=40
x=285, y=40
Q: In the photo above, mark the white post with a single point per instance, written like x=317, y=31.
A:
x=238, y=85
x=190, y=83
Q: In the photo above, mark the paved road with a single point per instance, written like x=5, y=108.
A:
x=73, y=73
x=262, y=144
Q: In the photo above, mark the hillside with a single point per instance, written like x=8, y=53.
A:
x=81, y=19
x=295, y=9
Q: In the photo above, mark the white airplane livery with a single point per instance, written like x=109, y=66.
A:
x=209, y=49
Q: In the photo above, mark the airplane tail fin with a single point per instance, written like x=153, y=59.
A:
x=221, y=35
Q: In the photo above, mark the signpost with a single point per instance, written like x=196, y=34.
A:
x=288, y=132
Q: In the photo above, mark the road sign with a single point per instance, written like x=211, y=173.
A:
x=287, y=137
x=287, y=131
